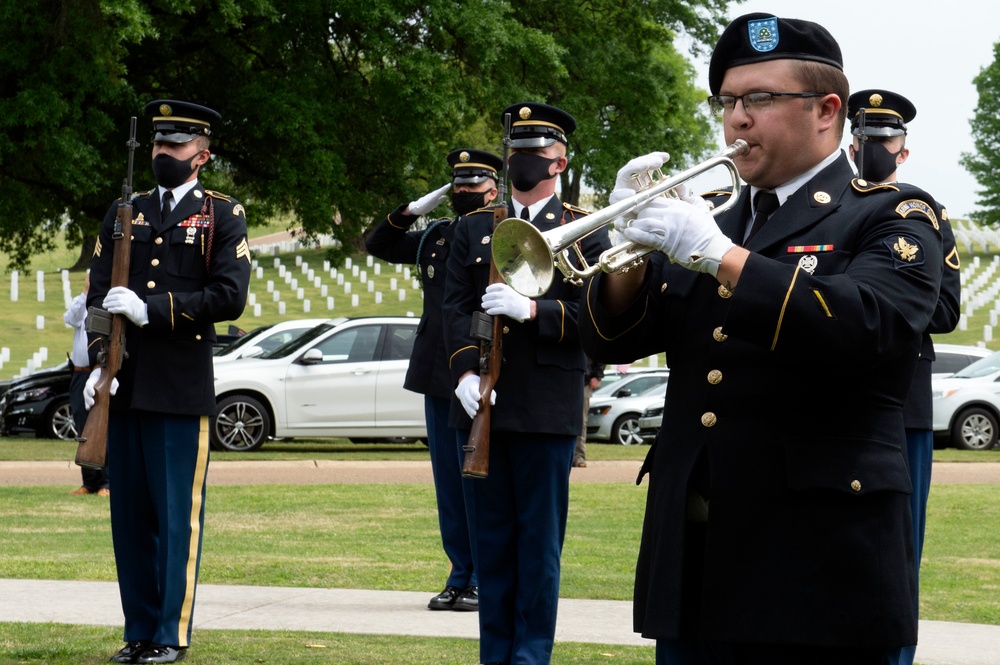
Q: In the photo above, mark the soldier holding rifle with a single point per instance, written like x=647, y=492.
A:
x=521, y=505
x=190, y=268
x=777, y=526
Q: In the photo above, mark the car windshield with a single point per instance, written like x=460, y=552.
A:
x=636, y=383
x=982, y=367
x=244, y=340
x=294, y=345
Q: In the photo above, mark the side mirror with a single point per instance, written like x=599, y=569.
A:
x=311, y=357
x=624, y=392
x=253, y=352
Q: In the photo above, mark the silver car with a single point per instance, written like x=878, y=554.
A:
x=615, y=417
x=339, y=379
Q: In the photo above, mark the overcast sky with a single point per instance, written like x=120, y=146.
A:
x=927, y=51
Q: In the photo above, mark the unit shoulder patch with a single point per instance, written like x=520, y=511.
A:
x=909, y=206
x=864, y=187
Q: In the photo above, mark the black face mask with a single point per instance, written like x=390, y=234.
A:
x=170, y=171
x=877, y=163
x=465, y=202
x=528, y=169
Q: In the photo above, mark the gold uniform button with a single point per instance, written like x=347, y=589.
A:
x=724, y=292
x=856, y=485
x=715, y=377
x=708, y=419
x=150, y=284
x=663, y=288
x=718, y=335
x=198, y=337
x=479, y=259
x=159, y=241
x=155, y=262
x=506, y=329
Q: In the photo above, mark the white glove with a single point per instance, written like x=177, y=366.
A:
x=468, y=394
x=653, y=160
x=501, y=299
x=427, y=202
x=89, y=388
x=686, y=234
x=121, y=300
x=697, y=201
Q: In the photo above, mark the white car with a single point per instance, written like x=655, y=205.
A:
x=616, y=419
x=339, y=379
x=952, y=357
x=967, y=405
x=266, y=338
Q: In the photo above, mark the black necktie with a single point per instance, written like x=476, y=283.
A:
x=765, y=203
x=525, y=215
x=168, y=204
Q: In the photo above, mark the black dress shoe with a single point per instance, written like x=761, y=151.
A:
x=468, y=600
x=446, y=599
x=161, y=653
x=129, y=652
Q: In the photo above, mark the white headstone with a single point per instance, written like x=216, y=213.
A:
x=40, y=322
x=329, y=302
x=378, y=297
x=251, y=299
x=298, y=259
x=256, y=310
x=370, y=260
x=402, y=295
x=276, y=296
x=281, y=308
x=354, y=300
x=347, y=287
x=13, y=286
x=348, y=263
x=305, y=306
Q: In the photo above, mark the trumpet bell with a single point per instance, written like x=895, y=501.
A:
x=523, y=257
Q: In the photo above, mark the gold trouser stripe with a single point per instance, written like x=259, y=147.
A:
x=562, y=320
x=170, y=295
x=464, y=348
x=784, y=306
x=197, y=487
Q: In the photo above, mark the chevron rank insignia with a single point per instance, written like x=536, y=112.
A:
x=97, y=248
x=243, y=250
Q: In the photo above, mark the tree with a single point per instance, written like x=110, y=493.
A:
x=334, y=111
x=984, y=164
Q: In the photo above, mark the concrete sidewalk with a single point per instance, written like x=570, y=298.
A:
x=400, y=613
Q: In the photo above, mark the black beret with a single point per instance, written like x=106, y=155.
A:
x=534, y=125
x=758, y=37
x=886, y=113
x=471, y=167
x=180, y=122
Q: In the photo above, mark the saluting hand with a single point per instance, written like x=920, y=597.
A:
x=427, y=202
x=121, y=300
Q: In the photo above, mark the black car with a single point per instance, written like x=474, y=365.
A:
x=39, y=404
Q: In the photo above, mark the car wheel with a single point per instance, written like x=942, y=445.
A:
x=625, y=431
x=241, y=424
x=59, y=422
x=974, y=429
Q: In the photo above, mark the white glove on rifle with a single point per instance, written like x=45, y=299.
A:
x=501, y=299
x=468, y=394
x=89, y=388
x=427, y=202
x=686, y=234
x=121, y=300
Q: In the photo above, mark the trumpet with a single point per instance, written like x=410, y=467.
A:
x=526, y=257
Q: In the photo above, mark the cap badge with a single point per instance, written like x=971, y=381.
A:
x=524, y=113
x=165, y=109
x=464, y=156
x=875, y=100
x=763, y=34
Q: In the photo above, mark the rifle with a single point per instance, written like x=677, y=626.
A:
x=862, y=139
x=489, y=330
x=92, y=451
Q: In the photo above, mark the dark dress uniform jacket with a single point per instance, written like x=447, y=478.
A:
x=784, y=409
x=190, y=277
x=918, y=411
x=543, y=363
x=391, y=241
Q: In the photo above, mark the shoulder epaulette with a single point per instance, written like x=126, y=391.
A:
x=573, y=208
x=489, y=210
x=865, y=187
x=136, y=195
x=218, y=195
x=717, y=192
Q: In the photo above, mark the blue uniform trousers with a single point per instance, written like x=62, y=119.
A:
x=920, y=456
x=157, y=466
x=455, y=503
x=521, y=512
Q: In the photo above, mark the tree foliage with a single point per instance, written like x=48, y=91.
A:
x=984, y=164
x=335, y=111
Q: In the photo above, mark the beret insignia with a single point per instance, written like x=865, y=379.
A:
x=915, y=205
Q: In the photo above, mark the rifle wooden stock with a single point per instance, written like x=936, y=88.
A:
x=476, y=463
x=92, y=451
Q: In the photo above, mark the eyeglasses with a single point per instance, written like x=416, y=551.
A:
x=752, y=101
